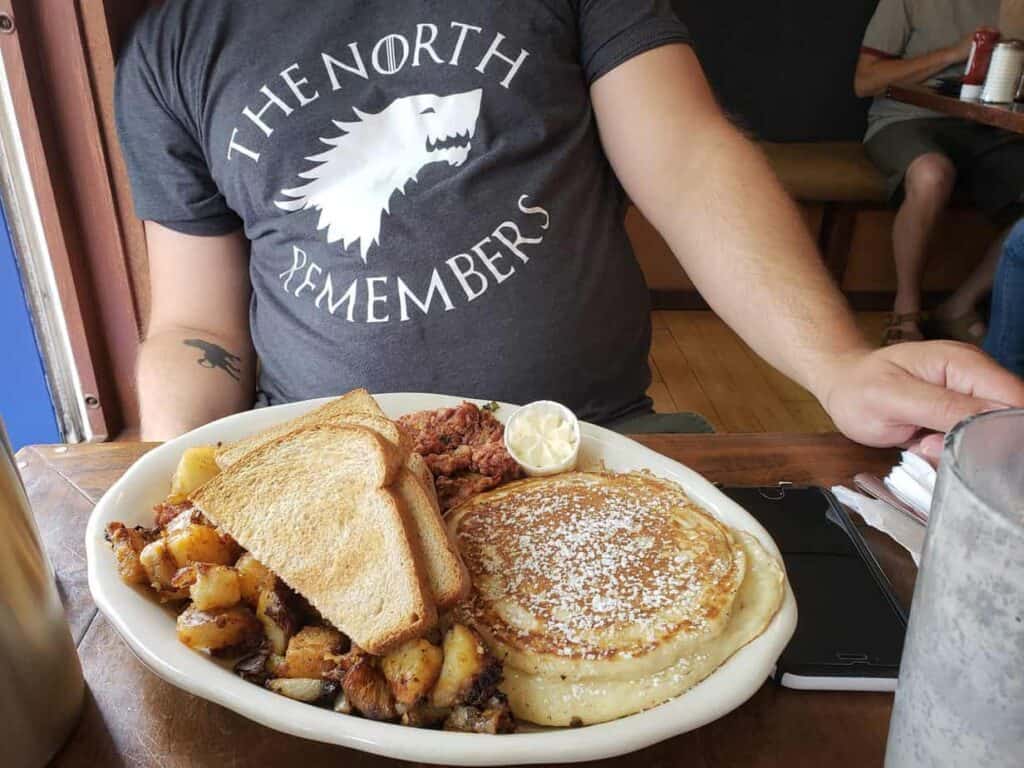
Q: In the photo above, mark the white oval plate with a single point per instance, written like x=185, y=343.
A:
x=149, y=629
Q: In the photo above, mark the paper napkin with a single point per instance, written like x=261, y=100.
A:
x=907, y=532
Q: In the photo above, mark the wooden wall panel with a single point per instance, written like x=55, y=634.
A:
x=869, y=277
x=962, y=239
x=26, y=68
x=60, y=60
x=106, y=26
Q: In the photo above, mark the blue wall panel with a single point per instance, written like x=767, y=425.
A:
x=25, y=404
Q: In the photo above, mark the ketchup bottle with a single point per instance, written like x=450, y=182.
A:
x=985, y=40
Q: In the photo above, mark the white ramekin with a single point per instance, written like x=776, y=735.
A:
x=545, y=405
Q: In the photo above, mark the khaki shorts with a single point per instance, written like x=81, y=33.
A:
x=989, y=161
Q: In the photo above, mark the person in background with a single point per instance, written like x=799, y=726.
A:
x=431, y=197
x=924, y=154
x=1005, y=340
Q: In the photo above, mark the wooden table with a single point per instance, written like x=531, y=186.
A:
x=132, y=718
x=1010, y=117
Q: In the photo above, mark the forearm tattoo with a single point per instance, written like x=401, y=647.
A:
x=217, y=357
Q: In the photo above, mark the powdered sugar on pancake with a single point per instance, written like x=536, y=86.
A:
x=597, y=569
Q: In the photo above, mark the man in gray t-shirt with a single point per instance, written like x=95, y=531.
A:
x=923, y=153
x=429, y=196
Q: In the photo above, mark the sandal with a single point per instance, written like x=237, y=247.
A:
x=969, y=327
x=895, y=333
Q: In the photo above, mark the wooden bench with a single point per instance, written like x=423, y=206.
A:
x=843, y=198
x=838, y=179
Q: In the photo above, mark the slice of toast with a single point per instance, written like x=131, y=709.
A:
x=356, y=407
x=382, y=425
x=446, y=573
x=358, y=401
x=418, y=467
x=314, y=507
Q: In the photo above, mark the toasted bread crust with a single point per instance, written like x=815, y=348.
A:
x=419, y=467
x=314, y=506
x=358, y=401
x=447, y=574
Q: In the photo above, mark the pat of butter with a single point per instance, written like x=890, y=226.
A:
x=542, y=438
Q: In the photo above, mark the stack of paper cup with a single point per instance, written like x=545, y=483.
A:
x=1004, y=73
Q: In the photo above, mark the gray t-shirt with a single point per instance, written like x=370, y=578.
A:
x=427, y=198
x=903, y=29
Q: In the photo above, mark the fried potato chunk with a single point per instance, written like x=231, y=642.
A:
x=306, y=690
x=274, y=611
x=311, y=651
x=253, y=577
x=128, y=544
x=196, y=466
x=412, y=669
x=160, y=567
x=210, y=586
x=368, y=692
x=492, y=716
x=425, y=715
x=469, y=674
x=194, y=543
x=219, y=630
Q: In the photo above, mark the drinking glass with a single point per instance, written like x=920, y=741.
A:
x=960, y=697
x=41, y=687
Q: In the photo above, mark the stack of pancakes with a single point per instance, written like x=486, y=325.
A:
x=608, y=594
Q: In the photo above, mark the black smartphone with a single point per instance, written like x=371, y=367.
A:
x=851, y=626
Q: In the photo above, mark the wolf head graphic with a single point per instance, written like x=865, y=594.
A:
x=378, y=155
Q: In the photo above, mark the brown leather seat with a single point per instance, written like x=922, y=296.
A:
x=827, y=172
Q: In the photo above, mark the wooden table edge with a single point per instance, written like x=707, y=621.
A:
x=41, y=452
x=754, y=456
x=1008, y=117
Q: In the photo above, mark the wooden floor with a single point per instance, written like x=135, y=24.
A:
x=700, y=365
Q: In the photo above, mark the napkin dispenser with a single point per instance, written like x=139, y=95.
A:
x=41, y=686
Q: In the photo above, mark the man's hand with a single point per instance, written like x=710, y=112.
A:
x=962, y=50
x=890, y=396
x=739, y=237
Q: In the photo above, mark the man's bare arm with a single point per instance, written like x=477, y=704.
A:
x=876, y=73
x=715, y=200
x=197, y=362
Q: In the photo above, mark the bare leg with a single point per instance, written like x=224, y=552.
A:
x=978, y=284
x=928, y=186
